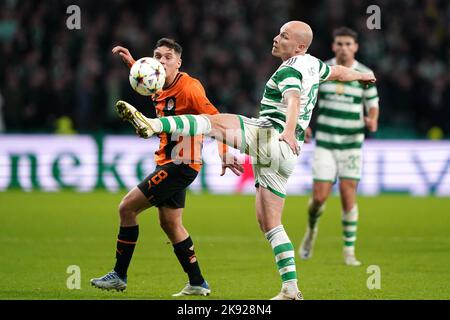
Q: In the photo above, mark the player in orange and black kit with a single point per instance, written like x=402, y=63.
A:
x=178, y=162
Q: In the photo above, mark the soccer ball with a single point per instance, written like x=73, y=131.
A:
x=147, y=76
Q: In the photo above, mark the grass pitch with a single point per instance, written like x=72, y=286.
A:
x=42, y=234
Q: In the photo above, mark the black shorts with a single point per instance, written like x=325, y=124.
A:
x=166, y=186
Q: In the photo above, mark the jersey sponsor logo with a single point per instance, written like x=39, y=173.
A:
x=339, y=98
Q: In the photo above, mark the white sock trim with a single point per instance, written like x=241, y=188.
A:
x=351, y=215
x=205, y=124
x=269, y=234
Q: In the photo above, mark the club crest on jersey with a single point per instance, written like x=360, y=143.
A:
x=340, y=88
x=170, y=103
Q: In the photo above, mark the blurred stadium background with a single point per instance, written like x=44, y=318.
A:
x=59, y=132
x=48, y=71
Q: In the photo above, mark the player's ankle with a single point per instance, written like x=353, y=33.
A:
x=290, y=287
x=155, y=125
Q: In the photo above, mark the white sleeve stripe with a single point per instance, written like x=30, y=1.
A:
x=372, y=103
x=289, y=81
x=326, y=70
x=370, y=92
x=291, y=89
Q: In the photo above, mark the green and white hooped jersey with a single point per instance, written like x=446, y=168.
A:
x=302, y=73
x=340, y=121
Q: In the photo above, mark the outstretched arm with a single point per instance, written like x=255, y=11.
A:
x=230, y=161
x=341, y=73
x=125, y=54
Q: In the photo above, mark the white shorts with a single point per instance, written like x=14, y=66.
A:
x=328, y=165
x=273, y=160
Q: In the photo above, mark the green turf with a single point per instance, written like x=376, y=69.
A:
x=44, y=233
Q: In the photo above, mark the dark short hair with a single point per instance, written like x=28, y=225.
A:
x=169, y=43
x=345, y=31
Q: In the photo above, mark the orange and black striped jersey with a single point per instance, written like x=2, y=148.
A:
x=185, y=95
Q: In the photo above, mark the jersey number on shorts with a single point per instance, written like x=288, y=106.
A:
x=352, y=162
x=158, y=178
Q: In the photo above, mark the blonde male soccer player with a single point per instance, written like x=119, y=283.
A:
x=273, y=140
x=339, y=138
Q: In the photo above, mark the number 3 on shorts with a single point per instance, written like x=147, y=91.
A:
x=352, y=163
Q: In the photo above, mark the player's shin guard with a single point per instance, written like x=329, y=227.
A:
x=126, y=242
x=185, y=253
x=350, y=226
x=186, y=125
x=284, y=257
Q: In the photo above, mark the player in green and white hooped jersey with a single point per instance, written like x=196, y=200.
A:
x=339, y=136
x=273, y=140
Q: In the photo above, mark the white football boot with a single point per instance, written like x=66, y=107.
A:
x=110, y=281
x=141, y=123
x=350, y=260
x=189, y=290
x=306, y=248
x=285, y=295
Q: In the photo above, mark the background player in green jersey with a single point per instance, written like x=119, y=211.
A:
x=339, y=137
x=274, y=140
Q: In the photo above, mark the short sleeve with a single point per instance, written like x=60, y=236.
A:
x=324, y=71
x=198, y=100
x=370, y=96
x=287, y=79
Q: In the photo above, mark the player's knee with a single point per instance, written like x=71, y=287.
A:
x=212, y=119
x=261, y=224
x=126, y=210
x=319, y=200
x=217, y=124
x=169, y=224
x=266, y=224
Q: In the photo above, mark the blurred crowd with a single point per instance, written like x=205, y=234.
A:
x=53, y=77
x=410, y=56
